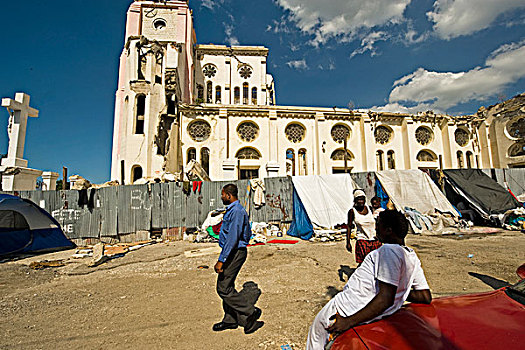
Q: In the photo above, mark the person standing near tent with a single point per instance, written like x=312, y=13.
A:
x=362, y=217
x=234, y=236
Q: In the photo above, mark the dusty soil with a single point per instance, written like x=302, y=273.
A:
x=156, y=297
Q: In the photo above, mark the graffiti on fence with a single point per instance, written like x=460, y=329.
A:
x=274, y=201
x=139, y=200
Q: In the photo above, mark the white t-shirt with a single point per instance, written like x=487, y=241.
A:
x=365, y=224
x=392, y=264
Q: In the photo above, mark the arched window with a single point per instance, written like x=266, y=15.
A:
x=391, y=160
x=192, y=154
x=460, y=159
x=140, y=111
x=470, y=159
x=236, y=95
x=245, y=93
x=136, y=173
x=517, y=149
x=209, y=92
x=172, y=104
x=248, y=153
x=426, y=156
x=290, y=162
x=254, y=96
x=380, y=159
x=205, y=159
x=200, y=93
x=339, y=154
x=302, y=162
x=217, y=94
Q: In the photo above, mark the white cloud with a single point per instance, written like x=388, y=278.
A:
x=297, y=64
x=423, y=90
x=228, y=30
x=342, y=18
x=453, y=18
x=367, y=44
x=211, y=4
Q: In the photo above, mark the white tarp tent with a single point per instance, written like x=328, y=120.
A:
x=414, y=189
x=326, y=198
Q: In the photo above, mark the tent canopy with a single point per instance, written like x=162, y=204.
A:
x=483, y=193
x=414, y=189
x=326, y=198
x=25, y=227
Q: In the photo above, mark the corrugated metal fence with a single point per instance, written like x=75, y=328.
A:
x=117, y=211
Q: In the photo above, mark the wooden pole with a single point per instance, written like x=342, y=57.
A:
x=345, y=156
x=64, y=179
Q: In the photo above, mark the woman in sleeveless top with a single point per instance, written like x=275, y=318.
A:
x=362, y=217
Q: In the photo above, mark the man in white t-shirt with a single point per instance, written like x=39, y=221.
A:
x=387, y=278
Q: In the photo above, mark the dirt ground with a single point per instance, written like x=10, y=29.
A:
x=158, y=298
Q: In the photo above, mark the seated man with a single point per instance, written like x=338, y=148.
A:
x=387, y=278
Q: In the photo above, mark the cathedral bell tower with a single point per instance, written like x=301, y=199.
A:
x=154, y=77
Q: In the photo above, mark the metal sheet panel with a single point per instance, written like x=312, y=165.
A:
x=108, y=199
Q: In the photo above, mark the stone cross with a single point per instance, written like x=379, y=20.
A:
x=19, y=111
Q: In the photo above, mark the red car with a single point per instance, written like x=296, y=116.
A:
x=493, y=320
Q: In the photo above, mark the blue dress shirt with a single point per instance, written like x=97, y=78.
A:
x=235, y=230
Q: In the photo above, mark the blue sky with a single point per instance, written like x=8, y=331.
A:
x=450, y=56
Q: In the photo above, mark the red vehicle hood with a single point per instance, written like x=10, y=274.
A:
x=478, y=321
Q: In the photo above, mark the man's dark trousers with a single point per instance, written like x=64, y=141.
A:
x=236, y=307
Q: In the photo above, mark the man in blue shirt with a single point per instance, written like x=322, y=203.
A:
x=233, y=239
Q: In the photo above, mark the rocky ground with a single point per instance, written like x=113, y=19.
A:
x=160, y=298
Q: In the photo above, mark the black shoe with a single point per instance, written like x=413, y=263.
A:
x=221, y=326
x=251, y=322
x=256, y=326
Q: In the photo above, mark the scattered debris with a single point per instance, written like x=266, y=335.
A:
x=202, y=252
x=39, y=265
x=203, y=267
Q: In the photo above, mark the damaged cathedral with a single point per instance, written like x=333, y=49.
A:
x=179, y=101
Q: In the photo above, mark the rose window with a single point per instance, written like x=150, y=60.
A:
x=245, y=72
x=382, y=134
x=462, y=137
x=248, y=131
x=295, y=132
x=199, y=130
x=424, y=135
x=209, y=71
x=516, y=129
x=340, y=133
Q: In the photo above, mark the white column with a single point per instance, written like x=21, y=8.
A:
x=50, y=180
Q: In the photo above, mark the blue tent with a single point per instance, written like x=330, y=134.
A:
x=25, y=227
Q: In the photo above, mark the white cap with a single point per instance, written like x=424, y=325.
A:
x=359, y=193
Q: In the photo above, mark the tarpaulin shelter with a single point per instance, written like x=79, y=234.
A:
x=320, y=201
x=483, y=194
x=25, y=227
x=414, y=189
x=414, y=193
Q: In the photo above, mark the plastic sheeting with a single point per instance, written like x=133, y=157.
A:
x=483, y=193
x=301, y=226
x=326, y=198
x=414, y=189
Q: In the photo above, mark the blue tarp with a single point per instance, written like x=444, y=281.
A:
x=381, y=194
x=301, y=225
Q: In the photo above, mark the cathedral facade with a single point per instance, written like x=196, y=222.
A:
x=177, y=101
